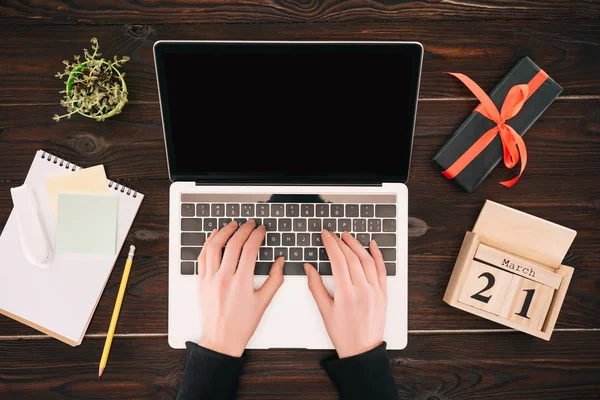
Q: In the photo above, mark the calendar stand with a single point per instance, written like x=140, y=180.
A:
x=509, y=270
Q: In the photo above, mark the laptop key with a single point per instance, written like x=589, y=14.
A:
x=276, y=210
x=314, y=225
x=262, y=210
x=367, y=210
x=248, y=210
x=385, y=239
x=352, y=210
x=191, y=224
x=232, y=210
x=359, y=225
x=203, y=210
x=307, y=210
x=273, y=239
x=188, y=268
x=299, y=225
x=270, y=224
x=390, y=269
x=303, y=239
x=258, y=221
x=317, y=240
x=296, y=254
x=388, y=254
x=292, y=210
x=389, y=225
x=223, y=222
x=325, y=268
x=322, y=210
x=330, y=224
x=217, y=210
x=193, y=239
x=344, y=225
x=262, y=268
x=323, y=254
x=310, y=254
x=337, y=210
x=363, y=238
x=281, y=252
x=266, y=254
x=293, y=268
x=240, y=221
x=385, y=210
x=284, y=225
x=190, y=253
x=188, y=210
x=288, y=239
x=374, y=225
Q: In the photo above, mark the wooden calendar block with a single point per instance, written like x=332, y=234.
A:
x=486, y=287
x=530, y=250
x=518, y=265
x=527, y=302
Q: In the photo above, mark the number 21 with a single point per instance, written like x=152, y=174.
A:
x=491, y=280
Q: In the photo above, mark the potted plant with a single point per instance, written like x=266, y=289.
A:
x=95, y=88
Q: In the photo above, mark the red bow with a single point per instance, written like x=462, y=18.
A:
x=512, y=143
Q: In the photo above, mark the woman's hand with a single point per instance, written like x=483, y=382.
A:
x=231, y=308
x=355, y=317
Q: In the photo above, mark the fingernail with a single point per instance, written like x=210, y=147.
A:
x=325, y=233
x=374, y=242
x=307, y=269
x=252, y=221
x=233, y=222
x=281, y=261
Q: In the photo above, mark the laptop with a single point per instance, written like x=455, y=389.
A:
x=300, y=136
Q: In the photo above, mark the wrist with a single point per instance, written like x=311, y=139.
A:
x=221, y=347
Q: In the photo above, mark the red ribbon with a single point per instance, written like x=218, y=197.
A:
x=513, y=145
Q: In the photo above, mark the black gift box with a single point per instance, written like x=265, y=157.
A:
x=476, y=125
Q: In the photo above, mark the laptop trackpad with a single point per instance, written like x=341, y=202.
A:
x=292, y=320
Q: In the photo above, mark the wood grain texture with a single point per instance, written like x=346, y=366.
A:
x=111, y=11
x=567, y=50
x=482, y=39
x=565, y=141
x=431, y=259
x=131, y=147
x=431, y=367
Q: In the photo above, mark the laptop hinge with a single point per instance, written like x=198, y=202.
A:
x=346, y=184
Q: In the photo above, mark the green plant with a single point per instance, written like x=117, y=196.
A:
x=95, y=88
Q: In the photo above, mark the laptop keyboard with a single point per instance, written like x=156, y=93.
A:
x=293, y=230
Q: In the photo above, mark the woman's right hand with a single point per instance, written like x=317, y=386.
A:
x=355, y=316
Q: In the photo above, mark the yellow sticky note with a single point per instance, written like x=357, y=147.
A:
x=85, y=181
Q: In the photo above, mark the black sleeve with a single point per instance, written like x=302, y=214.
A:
x=364, y=376
x=209, y=375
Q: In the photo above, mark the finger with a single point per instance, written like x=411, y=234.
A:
x=318, y=290
x=214, y=250
x=272, y=284
x=202, y=256
x=357, y=274
x=250, y=252
x=234, y=247
x=380, y=266
x=339, y=269
x=366, y=261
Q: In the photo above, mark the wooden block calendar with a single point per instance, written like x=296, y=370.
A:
x=509, y=270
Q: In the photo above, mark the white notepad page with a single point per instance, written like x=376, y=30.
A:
x=60, y=299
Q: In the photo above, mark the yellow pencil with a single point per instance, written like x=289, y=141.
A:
x=115, y=316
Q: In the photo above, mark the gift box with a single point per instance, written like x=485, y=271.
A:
x=494, y=129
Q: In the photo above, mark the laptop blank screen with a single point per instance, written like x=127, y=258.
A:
x=288, y=113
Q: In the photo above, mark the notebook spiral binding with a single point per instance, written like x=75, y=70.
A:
x=72, y=167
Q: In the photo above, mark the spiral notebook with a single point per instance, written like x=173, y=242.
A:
x=59, y=300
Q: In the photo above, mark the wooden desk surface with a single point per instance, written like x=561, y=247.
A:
x=451, y=354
